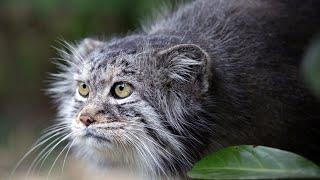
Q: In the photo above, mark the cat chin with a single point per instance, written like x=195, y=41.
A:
x=106, y=164
x=108, y=150
x=90, y=143
x=103, y=155
x=111, y=155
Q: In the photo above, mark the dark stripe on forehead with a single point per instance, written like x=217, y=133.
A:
x=95, y=77
x=111, y=54
x=102, y=61
x=101, y=64
x=114, y=60
x=124, y=62
x=128, y=72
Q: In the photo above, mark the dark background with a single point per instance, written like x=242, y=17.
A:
x=28, y=30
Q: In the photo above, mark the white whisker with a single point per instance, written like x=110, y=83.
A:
x=65, y=157
x=45, y=135
x=36, y=161
x=51, y=149
x=54, y=162
x=39, y=144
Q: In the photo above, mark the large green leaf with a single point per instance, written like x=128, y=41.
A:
x=253, y=162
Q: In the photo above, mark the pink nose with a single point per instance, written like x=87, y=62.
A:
x=86, y=120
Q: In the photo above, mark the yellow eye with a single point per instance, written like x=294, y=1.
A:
x=121, y=90
x=83, y=89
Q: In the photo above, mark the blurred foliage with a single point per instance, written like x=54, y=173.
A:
x=311, y=67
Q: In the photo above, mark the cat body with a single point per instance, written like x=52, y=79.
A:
x=209, y=75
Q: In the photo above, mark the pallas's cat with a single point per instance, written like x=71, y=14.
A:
x=209, y=75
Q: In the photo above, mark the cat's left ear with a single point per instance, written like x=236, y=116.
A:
x=87, y=45
x=185, y=64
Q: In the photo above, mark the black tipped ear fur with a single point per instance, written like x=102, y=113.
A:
x=87, y=45
x=186, y=64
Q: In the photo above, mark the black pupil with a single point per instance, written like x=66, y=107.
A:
x=84, y=86
x=121, y=87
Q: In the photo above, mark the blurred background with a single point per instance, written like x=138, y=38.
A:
x=28, y=30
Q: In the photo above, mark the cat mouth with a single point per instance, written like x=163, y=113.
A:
x=108, y=126
x=91, y=134
x=102, y=132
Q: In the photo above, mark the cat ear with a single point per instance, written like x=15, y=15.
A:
x=87, y=45
x=185, y=64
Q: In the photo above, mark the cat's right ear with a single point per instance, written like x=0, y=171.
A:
x=87, y=45
x=185, y=64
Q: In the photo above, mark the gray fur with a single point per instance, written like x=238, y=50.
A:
x=212, y=74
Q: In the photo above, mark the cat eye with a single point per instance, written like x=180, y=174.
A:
x=121, y=90
x=83, y=89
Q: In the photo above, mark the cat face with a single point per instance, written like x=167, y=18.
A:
x=134, y=107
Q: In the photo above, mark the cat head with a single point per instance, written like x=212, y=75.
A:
x=133, y=102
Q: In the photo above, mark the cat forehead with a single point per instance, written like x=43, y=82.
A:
x=126, y=56
x=136, y=44
x=100, y=66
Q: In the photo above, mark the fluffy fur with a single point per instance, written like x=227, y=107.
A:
x=209, y=75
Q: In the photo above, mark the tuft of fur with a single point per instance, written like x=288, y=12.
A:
x=211, y=74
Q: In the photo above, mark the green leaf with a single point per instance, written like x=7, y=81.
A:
x=253, y=162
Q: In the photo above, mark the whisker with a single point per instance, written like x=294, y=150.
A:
x=65, y=157
x=34, y=147
x=147, y=149
x=45, y=135
x=36, y=161
x=157, y=145
x=51, y=149
x=174, y=145
x=54, y=127
x=54, y=162
x=139, y=151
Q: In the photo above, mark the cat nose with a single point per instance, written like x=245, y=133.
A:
x=86, y=119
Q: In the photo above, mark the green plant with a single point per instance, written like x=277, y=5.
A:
x=254, y=162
